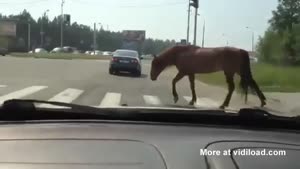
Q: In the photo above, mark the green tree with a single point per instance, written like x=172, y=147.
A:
x=280, y=43
x=75, y=35
x=286, y=15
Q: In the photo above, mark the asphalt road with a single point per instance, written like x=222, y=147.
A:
x=88, y=82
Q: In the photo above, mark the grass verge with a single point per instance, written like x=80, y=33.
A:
x=269, y=77
x=60, y=56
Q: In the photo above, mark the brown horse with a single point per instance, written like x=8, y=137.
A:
x=190, y=60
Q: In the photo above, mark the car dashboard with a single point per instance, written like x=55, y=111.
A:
x=92, y=144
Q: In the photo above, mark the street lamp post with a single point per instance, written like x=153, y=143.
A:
x=100, y=26
x=94, y=37
x=203, y=34
x=188, y=23
x=252, y=41
x=62, y=19
x=42, y=31
x=226, y=38
x=195, y=26
x=29, y=36
x=252, y=38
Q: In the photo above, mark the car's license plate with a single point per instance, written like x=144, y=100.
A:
x=124, y=61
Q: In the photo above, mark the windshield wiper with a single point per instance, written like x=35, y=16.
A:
x=18, y=109
x=21, y=110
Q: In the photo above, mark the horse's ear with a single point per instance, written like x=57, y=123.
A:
x=154, y=55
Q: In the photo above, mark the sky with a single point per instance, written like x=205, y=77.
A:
x=225, y=20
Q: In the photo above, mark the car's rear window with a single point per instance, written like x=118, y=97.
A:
x=126, y=53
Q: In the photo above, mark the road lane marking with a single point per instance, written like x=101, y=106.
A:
x=111, y=100
x=202, y=102
x=152, y=100
x=21, y=93
x=66, y=96
x=3, y=86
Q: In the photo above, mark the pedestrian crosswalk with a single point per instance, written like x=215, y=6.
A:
x=21, y=93
x=152, y=100
x=109, y=99
x=66, y=96
x=203, y=102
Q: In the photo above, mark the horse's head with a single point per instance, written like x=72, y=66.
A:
x=157, y=67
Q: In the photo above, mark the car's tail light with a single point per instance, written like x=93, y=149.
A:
x=114, y=59
x=134, y=61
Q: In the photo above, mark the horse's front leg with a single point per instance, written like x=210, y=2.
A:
x=192, y=84
x=175, y=80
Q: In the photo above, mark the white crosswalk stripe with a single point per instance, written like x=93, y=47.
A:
x=21, y=93
x=202, y=102
x=66, y=96
x=152, y=100
x=111, y=100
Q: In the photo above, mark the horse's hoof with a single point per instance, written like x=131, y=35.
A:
x=263, y=103
x=222, y=107
x=176, y=99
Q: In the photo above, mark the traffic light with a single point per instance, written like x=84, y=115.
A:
x=67, y=19
x=194, y=3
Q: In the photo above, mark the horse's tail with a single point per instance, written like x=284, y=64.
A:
x=245, y=73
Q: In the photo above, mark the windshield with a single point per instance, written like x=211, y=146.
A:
x=125, y=53
x=206, y=54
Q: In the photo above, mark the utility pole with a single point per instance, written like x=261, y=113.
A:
x=29, y=37
x=195, y=4
x=252, y=41
x=188, y=23
x=225, y=38
x=203, y=34
x=62, y=19
x=252, y=37
x=195, y=28
x=94, y=38
x=42, y=31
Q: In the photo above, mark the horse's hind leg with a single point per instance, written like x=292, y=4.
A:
x=230, y=83
x=175, y=80
x=261, y=96
x=192, y=84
